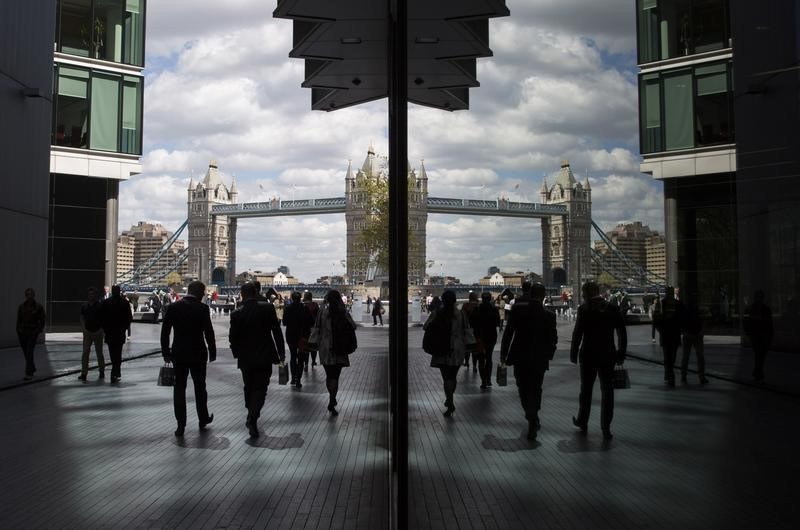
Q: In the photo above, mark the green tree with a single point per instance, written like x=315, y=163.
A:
x=606, y=279
x=375, y=235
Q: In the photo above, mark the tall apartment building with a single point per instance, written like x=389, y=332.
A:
x=656, y=259
x=633, y=240
x=26, y=75
x=141, y=242
x=718, y=89
x=96, y=142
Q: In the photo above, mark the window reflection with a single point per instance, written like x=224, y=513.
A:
x=681, y=27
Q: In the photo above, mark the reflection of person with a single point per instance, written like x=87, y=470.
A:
x=529, y=343
x=257, y=343
x=92, y=329
x=593, y=345
x=758, y=327
x=30, y=322
x=693, y=338
x=668, y=320
x=330, y=320
x=193, y=331
x=116, y=317
x=450, y=323
x=377, y=311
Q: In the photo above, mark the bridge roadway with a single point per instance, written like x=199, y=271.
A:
x=499, y=208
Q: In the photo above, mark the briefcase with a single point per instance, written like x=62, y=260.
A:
x=283, y=374
x=621, y=377
x=502, y=374
x=166, y=375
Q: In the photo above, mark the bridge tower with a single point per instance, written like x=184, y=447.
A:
x=566, y=240
x=375, y=170
x=212, y=239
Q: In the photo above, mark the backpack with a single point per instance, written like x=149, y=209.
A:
x=344, y=340
x=436, y=340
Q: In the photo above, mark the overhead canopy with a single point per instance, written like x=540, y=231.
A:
x=344, y=44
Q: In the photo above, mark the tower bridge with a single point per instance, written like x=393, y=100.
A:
x=564, y=212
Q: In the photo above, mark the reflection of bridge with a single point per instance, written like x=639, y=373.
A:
x=499, y=208
x=564, y=212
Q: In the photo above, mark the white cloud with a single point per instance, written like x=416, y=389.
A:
x=560, y=85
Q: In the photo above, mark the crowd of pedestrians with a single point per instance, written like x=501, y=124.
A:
x=451, y=336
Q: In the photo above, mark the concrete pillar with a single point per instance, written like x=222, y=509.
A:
x=547, y=267
x=112, y=229
x=671, y=233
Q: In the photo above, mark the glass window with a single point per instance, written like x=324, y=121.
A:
x=681, y=27
x=650, y=112
x=105, y=112
x=108, y=30
x=72, y=107
x=134, y=32
x=713, y=105
x=131, y=115
x=74, y=22
x=678, y=130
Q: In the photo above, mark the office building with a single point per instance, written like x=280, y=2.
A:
x=139, y=244
x=96, y=142
x=718, y=89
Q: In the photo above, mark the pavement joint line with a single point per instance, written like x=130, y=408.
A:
x=147, y=353
x=721, y=377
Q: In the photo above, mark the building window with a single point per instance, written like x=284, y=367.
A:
x=111, y=30
x=681, y=27
x=97, y=110
x=687, y=108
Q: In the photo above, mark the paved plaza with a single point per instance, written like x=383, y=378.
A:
x=94, y=455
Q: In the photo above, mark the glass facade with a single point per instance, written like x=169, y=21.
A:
x=677, y=28
x=76, y=244
x=97, y=110
x=686, y=108
x=110, y=30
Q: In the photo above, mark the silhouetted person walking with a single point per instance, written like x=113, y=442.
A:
x=377, y=311
x=486, y=320
x=593, y=345
x=30, y=323
x=116, y=318
x=334, y=339
x=758, y=327
x=257, y=343
x=193, y=332
x=668, y=320
x=313, y=309
x=451, y=325
x=92, y=329
x=298, y=322
x=529, y=343
x=469, y=309
x=693, y=338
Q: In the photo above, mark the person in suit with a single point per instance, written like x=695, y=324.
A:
x=593, y=345
x=529, y=344
x=30, y=323
x=313, y=309
x=669, y=321
x=92, y=330
x=484, y=322
x=693, y=338
x=759, y=329
x=116, y=317
x=377, y=311
x=298, y=321
x=469, y=309
x=256, y=343
x=193, y=331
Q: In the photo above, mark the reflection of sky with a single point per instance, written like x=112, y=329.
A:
x=561, y=85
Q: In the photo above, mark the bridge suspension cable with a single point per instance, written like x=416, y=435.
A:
x=135, y=275
x=621, y=266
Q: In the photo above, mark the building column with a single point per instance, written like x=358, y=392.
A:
x=547, y=265
x=671, y=236
x=232, y=250
x=112, y=229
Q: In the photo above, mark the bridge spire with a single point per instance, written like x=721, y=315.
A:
x=586, y=185
x=422, y=173
x=349, y=175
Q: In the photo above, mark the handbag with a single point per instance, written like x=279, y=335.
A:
x=283, y=373
x=166, y=375
x=312, y=344
x=502, y=374
x=621, y=377
x=469, y=336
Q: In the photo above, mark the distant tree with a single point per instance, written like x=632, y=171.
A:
x=607, y=280
x=375, y=235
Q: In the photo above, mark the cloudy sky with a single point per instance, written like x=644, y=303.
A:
x=561, y=84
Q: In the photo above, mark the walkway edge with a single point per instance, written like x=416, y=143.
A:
x=147, y=353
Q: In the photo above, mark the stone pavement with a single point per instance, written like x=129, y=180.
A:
x=102, y=456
